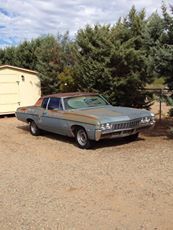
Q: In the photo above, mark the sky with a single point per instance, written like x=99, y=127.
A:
x=26, y=19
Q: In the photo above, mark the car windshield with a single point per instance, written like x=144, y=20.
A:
x=84, y=102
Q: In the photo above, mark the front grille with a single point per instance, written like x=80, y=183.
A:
x=126, y=125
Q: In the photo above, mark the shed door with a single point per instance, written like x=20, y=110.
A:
x=9, y=95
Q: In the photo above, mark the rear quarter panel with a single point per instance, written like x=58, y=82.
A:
x=26, y=113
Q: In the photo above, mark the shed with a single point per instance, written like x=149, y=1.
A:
x=18, y=87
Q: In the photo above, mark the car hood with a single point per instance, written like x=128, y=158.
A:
x=113, y=113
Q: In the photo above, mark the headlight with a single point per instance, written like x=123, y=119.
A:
x=148, y=120
x=106, y=126
x=145, y=120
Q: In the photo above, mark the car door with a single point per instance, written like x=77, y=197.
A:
x=52, y=118
x=41, y=112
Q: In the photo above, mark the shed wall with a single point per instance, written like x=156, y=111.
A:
x=17, y=88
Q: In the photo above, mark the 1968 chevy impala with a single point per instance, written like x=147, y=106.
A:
x=86, y=116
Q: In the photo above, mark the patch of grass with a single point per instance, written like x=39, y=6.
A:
x=158, y=83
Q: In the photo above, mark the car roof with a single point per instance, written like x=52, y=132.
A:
x=73, y=94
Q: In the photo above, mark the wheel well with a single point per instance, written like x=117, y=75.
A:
x=74, y=128
x=29, y=120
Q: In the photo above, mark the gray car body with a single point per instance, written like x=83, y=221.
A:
x=125, y=121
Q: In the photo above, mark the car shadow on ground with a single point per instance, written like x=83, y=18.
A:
x=7, y=116
x=114, y=142
x=49, y=135
x=95, y=145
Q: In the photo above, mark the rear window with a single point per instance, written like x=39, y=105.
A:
x=55, y=104
x=44, y=103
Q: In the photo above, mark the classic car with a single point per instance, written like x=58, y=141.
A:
x=86, y=116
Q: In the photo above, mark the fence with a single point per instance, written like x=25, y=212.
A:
x=162, y=100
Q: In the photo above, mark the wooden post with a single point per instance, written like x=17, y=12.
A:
x=160, y=106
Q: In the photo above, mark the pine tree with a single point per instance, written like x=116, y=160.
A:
x=113, y=60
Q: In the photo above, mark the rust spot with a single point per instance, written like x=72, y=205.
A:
x=80, y=118
x=81, y=115
x=73, y=94
x=53, y=111
x=39, y=102
x=23, y=109
x=73, y=116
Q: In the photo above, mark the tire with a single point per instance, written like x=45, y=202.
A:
x=133, y=137
x=82, y=139
x=34, y=130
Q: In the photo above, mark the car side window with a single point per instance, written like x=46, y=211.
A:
x=55, y=104
x=44, y=103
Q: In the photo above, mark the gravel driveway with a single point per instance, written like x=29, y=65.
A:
x=46, y=182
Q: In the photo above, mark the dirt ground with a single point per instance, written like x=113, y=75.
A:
x=46, y=182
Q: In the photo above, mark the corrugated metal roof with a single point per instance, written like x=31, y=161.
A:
x=17, y=68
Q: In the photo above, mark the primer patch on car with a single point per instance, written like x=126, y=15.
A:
x=101, y=111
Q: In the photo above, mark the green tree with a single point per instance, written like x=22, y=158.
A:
x=25, y=54
x=153, y=34
x=7, y=56
x=114, y=60
x=2, y=54
x=93, y=51
x=67, y=81
x=48, y=63
x=66, y=77
x=164, y=52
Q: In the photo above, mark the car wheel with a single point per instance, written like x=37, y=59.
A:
x=34, y=130
x=82, y=139
x=133, y=137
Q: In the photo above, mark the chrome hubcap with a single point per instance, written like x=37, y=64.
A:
x=82, y=137
x=33, y=128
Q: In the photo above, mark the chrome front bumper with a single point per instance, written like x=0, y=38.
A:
x=99, y=134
